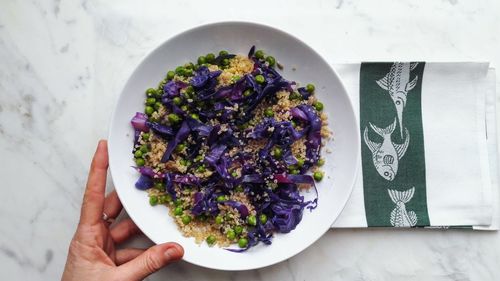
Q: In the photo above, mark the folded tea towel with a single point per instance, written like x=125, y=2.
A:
x=428, y=145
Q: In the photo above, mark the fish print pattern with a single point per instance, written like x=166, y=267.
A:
x=397, y=83
x=386, y=155
x=400, y=217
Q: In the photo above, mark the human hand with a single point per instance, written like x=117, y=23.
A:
x=92, y=253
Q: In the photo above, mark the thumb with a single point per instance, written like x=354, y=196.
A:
x=152, y=260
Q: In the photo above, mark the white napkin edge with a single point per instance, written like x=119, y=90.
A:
x=491, y=132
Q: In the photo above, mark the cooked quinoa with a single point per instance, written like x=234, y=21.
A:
x=226, y=144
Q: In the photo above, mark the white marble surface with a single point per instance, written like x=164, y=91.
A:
x=63, y=63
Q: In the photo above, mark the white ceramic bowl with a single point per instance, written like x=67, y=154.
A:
x=302, y=64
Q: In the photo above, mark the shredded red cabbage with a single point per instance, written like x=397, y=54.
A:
x=139, y=122
x=148, y=171
x=144, y=182
x=242, y=209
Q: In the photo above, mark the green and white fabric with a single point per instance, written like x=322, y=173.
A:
x=428, y=145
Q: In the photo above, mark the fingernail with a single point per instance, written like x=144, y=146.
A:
x=101, y=143
x=171, y=253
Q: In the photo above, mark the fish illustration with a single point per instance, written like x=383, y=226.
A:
x=386, y=155
x=400, y=217
x=398, y=83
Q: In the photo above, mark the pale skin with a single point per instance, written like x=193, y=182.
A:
x=92, y=253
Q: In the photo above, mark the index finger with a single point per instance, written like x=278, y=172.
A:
x=93, y=199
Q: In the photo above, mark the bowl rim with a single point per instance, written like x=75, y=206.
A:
x=259, y=25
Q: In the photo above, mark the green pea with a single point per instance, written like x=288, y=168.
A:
x=294, y=124
x=199, y=158
x=180, y=71
x=269, y=112
x=221, y=198
x=239, y=188
x=300, y=162
x=260, y=79
x=278, y=152
x=159, y=93
x=149, y=110
x=238, y=229
x=185, y=162
x=201, y=60
x=173, y=118
x=166, y=198
x=210, y=57
x=151, y=92
x=158, y=185
x=294, y=172
x=184, y=108
x=144, y=148
x=150, y=101
x=310, y=88
x=180, y=147
x=223, y=53
x=189, y=65
x=236, y=78
x=271, y=61
x=234, y=174
x=151, y=95
x=153, y=200
x=157, y=105
x=140, y=162
x=195, y=116
x=170, y=75
x=188, y=72
x=321, y=162
x=231, y=234
x=219, y=219
x=186, y=219
x=252, y=220
x=295, y=96
x=259, y=54
x=242, y=242
x=247, y=92
x=177, y=101
x=138, y=153
x=201, y=169
x=225, y=62
x=190, y=89
x=178, y=203
x=263, y=218
x=145, y=136
x=318, y=176
x=318, y=105
x=178, y=211
x=210, y=240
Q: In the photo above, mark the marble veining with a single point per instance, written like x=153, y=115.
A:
x=63, y=63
